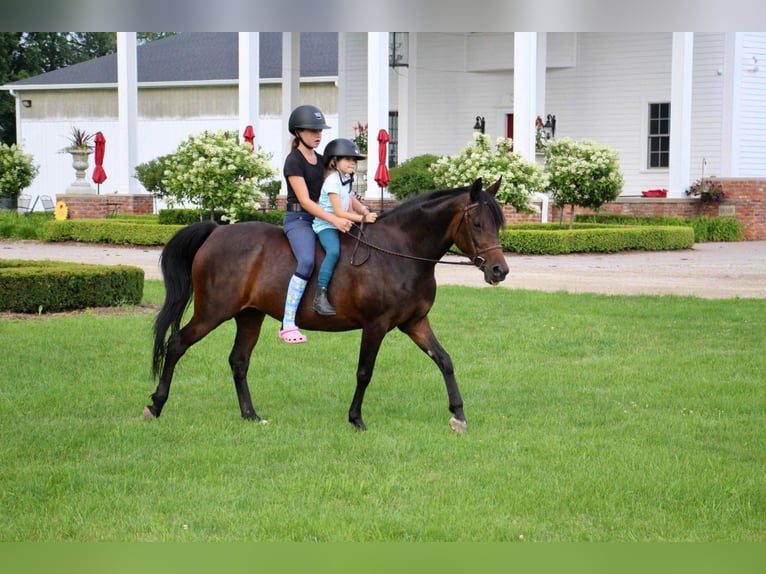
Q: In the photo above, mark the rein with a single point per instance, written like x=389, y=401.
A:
x=476, y=258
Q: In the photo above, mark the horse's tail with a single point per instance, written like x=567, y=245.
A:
x=176, y=264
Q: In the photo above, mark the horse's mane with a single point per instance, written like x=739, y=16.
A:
x=416, y=202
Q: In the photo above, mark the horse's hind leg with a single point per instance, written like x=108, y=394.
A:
x=249, y=324
x=178, y=344
x=423, y=336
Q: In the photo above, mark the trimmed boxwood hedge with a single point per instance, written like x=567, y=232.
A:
x=705, y=228
x=551, y=240
x=51, y=286
x=121, y=232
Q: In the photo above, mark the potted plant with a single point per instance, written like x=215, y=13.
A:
x=360, y=137
x=16, y=174
x=707, y=190
x=80, y=147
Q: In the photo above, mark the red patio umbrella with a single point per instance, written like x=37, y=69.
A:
x=99, y=175
x=381, y=174
x=249, y=136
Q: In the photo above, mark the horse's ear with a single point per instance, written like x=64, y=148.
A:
x=492, y=189
x=476, y=189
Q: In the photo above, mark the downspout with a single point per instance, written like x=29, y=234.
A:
x=16, y=97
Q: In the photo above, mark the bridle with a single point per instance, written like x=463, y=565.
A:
x=476, y=257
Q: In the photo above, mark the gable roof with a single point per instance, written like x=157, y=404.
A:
x=198, y=57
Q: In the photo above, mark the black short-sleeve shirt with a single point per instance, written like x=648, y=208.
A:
x=296, y=164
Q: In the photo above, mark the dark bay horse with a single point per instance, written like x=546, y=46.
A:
x=384, y=279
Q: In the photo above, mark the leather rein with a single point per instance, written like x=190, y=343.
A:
x=476, y=258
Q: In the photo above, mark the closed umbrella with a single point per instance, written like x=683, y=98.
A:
x=249, y=136
x=99, y=175
x=381, y=174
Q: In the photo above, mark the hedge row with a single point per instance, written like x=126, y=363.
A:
x=51, y=286
x=705, y=228
x=555, y=241
x=189, y=216
x=108, y=231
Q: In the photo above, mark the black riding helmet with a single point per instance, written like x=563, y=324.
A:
x=341, y=147
x=306, y=118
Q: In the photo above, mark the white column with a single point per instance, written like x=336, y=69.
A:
x=542, y=58
x=377, y=102
x=732, y=75
x=291, y=81
x=680, y=113
x=127, y=98
x=408, y=110
x=524, y=93
x=249, y=82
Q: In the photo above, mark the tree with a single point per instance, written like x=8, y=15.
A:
x=520, y=178
x=216, y=171
x=582, y=173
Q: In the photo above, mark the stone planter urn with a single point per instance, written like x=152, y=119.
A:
x=80, y=164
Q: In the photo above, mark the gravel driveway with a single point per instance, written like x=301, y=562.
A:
x=708, y=270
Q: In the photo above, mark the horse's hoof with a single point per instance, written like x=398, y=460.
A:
x=458, y=426
x=148, y=414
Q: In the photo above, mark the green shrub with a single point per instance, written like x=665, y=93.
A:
x=23, y=226
x=412, y=177
x=108, y=231
x=50, y=286
x=582, y=173
x=519, y=177
x=16, y=170
x=550, y=240
x=216, y=170
x=705, y=228
x=189, y=216
x=151, y=174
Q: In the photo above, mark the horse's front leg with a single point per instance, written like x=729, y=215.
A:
x=421, y=333
x=249, y=324
x=372, y=337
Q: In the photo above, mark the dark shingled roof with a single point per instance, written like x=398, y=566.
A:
x=199, y=57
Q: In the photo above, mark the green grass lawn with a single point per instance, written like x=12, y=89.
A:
x=591, y=418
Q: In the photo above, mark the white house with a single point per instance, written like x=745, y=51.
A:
x=676, y=106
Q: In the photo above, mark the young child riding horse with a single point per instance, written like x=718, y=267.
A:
x=340, y=157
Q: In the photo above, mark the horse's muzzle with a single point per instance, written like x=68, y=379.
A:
x=494, y=273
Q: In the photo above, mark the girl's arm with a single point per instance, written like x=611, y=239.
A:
x=350, y=215
x=302, y=193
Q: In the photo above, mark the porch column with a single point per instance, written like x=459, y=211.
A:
x=681, y=113
x=524, y=93
x=249, y=82
x=377, y=103
x=127, y=102
x=291, y=81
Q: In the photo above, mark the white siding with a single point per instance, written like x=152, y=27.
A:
x=605, y=97
x=752, y=99
x=707, y=105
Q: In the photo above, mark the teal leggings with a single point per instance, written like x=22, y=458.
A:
x=330, y=240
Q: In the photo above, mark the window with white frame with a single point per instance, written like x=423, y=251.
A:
x=658, y=145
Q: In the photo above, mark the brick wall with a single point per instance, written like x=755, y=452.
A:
x=744, y=199
x=89, y=206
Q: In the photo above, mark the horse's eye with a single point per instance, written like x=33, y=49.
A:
x=477, y=223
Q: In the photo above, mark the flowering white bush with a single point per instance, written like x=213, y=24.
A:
x=582, y=173
x=520, y=178
x=16, y=170
x=216, y=171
